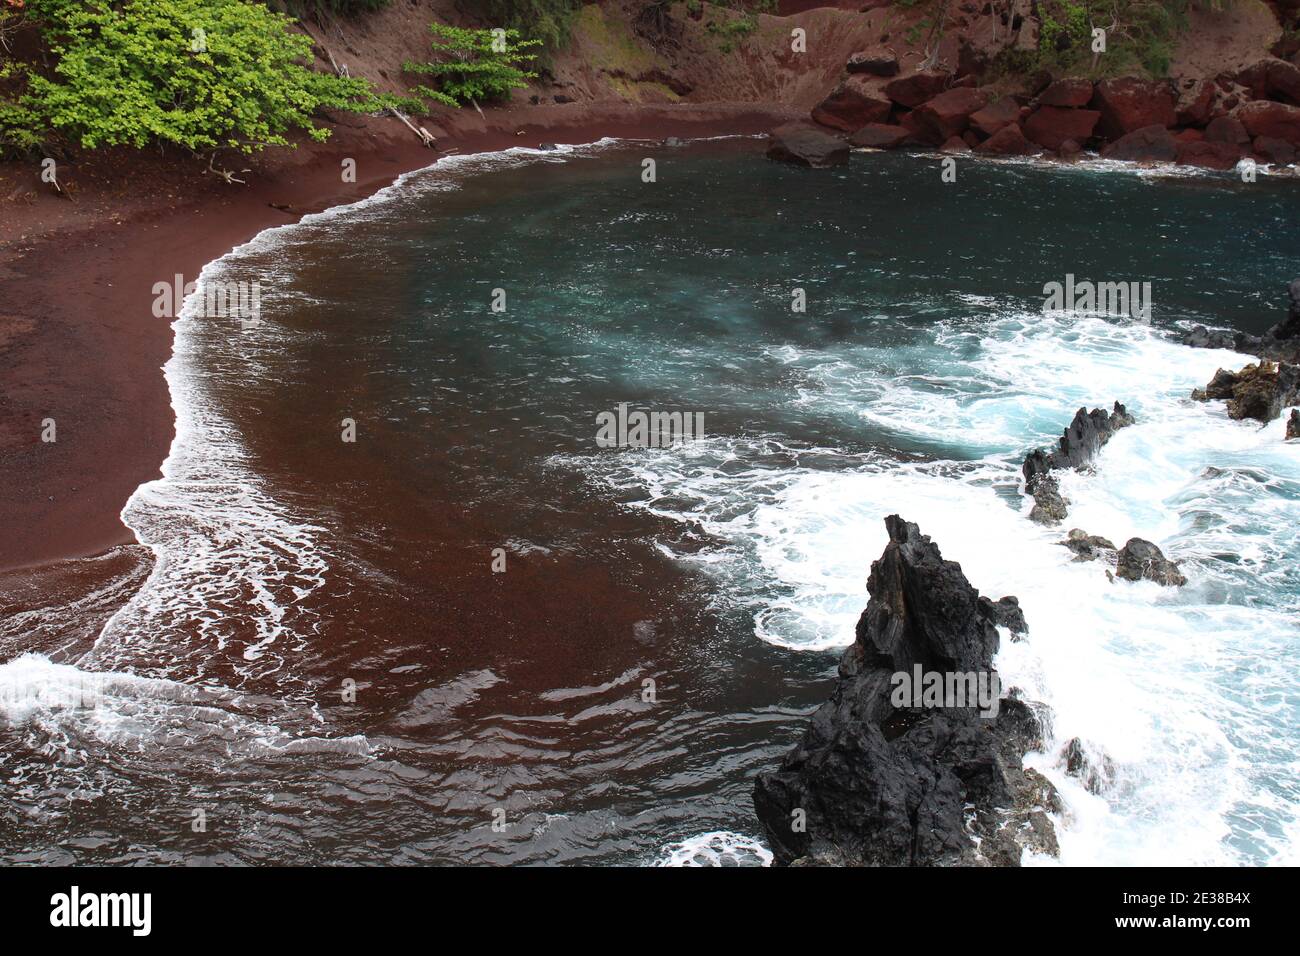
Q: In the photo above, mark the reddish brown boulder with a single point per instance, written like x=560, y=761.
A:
x=949, y=113
x=1128, y=104
x=806, y=145
x=1195, y=105
x=852, y=105
x=1274, y=120
x=956, y=145
x=1275, y=152
x=880, y=136
x=1225, y=129
x=996, y=115
x=919, y=132
x=1190, y=136
x=912, y=91
x=1149, y=144
x=1008, y=141
x=1073, y=91
x=1050, y=126
x=1272, y=78
x=875, y=62
x=1209, y=155
x=1070, y=150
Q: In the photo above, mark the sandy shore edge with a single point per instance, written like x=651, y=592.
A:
x=79, y=343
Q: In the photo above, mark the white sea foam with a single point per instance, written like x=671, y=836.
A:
x=64, y=710
x=236, y=566
x=1190, y=692
x=719, y=848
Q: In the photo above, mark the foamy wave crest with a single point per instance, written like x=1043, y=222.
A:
x=233, y=566
x=1189, y=692
x=66, y=712
x=720, y=848
x=230, y=595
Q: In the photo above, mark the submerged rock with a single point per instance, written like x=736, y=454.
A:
x=1140, y=560
x=879, y=785
x=1095, y=773
x=806, y=145
x=1090, y=547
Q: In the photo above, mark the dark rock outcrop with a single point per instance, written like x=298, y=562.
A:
x=1096, y=774
x=878, y=785
x=1257, y=391
x=1090, y=547
x=1293, y=425
x=1281, y=343
x=1140, y=560
x=1076, y=448
x=806, y=145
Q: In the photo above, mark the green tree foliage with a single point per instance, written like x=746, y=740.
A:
x=1140, y=35
x=204, y=74
x=474, y=65
x=544, y=20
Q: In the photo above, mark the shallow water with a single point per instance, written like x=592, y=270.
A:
x=666, y=617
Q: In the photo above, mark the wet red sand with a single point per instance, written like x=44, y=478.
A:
x=78, y=340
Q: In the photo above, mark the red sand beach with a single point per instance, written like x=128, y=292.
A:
x=78, y=340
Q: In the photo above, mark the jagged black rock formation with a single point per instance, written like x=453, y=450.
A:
x=1140, y=560
x=1076, y=448
x=1257, y=391
x=1090, y=547
x=1281, y=343
x=871, y=784
x=1293, y=424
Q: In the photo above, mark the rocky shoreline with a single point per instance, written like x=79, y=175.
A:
x=1214, y=123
